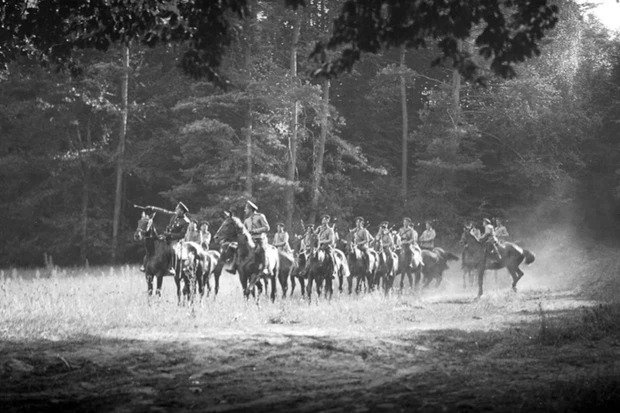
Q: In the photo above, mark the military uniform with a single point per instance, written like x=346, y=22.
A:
x=501, y=233
x=384, y=240
x=258, y=226
x=205, y=239
x=362, y=239
x=280, y=241
x=327, y=241
x=427, y=239
x=175, y=232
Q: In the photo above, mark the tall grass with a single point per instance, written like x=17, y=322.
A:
x=113, y=301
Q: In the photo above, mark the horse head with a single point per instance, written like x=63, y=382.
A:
x=145, y=229
x=233, y=230
x=467, y=236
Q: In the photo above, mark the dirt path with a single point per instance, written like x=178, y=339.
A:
x=454, y=355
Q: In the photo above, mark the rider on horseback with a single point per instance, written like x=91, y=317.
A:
x=280, y=239
x=489, y=238
x=500, y=231
x=327, y=242
x=409, y=238
x=147, y=215
x=427, y=239
x=362, y=239
x=384, y=242
x=305, y=249
x=205, y=235
x=258, y=226
x=175, y=231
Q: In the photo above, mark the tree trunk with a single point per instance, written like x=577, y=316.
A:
x=456, y=91
x=248, y=122
x=85, y=193
x=292, y=144
x=405, y=130
x=320, y=152
x=120, y=156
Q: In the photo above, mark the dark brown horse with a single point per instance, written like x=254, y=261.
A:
x=233, y=230
x=364, y=271
x=435, y=263
x=510, y=257
x=158, y=257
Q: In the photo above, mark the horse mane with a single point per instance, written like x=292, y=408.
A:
x=244, y=231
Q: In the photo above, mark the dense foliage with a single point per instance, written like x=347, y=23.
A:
x=540, y=148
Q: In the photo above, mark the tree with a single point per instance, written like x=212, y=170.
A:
x=511, y=31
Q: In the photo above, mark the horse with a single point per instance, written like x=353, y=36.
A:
x=410, y=263
x=158, y=257
x=363, y=271
x=232, y=229
x=510, y=257
x=386, y=269
x=198, y=264
x=435, y=263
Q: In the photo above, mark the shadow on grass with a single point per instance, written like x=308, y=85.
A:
x=518, y=368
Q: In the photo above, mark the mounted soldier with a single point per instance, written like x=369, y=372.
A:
x=384, y=242
x=327, y=242
x=362, y=239
x=427, y=239
x=280, y=239
x=500, y=231
x=205, y=235
x=489, y=238
x=258, y=226
x=408, y=236
x=305, y=248
x=175, y=231
x=147, y=215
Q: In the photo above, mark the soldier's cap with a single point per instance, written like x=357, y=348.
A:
x=486, y=220
x=325, y=216
x=359, y=219
x=407, y=219
x=204, y=223
x=384, y=224
x=183, y=207
x=429, y=222
x=280, y=224
x=251, y=205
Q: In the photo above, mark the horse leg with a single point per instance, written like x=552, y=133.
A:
x=309, y=288
x=480, y=280
x=244, y=286
x=149, y=284
x=177, y=281
x=516, y=274
x=160, y=279
x=274, y=287
x=464, y=279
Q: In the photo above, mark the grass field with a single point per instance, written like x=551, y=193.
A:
x=90, y=339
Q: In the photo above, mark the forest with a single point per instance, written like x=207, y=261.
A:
x=400, y=134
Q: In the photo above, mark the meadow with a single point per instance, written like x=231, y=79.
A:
x=91, y=339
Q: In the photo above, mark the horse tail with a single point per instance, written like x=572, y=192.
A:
x=529, y=256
